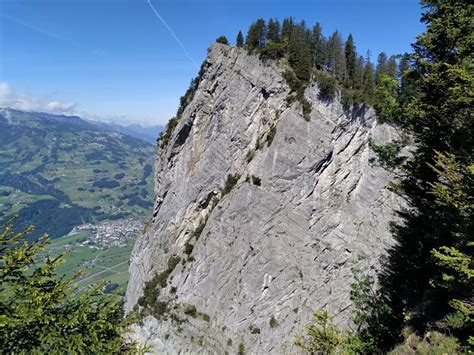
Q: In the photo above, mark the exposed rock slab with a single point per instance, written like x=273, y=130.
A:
x=278, y=249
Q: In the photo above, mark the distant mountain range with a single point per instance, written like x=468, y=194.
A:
x=58, y=171
x=148, y=134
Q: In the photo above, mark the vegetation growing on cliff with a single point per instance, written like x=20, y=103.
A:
x=332, y=62
x=424, y=302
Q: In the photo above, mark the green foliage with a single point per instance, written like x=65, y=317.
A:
x=149, y=301
x=240, y=39
x=388, y=155
x=387, y=104
x=43, y=313
x=350, y=54
x=202, y=224
x=230, y=183
x=69, y=181
x=184, y=101
x=327, y=84
x=256, y=36
x=250, y=155
x=433, y=343
x=165, y=136
x=273, y=322
x=273, y=51
x=254, y=329
x=256, y=180
x=322, y=335
x=307, y=108
x=426, y=281
x=274, y=31
x=188, y=248
x=222, y=40
x=271, y=134
x=190, y=310
x=241, y=350
x=454, y=190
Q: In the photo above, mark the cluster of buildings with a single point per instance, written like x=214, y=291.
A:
x=109, y=234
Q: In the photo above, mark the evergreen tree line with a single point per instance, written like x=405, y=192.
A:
x=334, y=63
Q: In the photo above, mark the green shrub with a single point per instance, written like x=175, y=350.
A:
x=433, y=343
x=190, y=310
x=229, y=342
x=272, y=51
x=256, y=180
x=202, y=224
x=322, y=335
x=151, y=292
x=386, y=102
x=327, y=84
x=165, y=136
x=230, y=183
x=241, y=350
x=250, y=155
x=307, y=108
x=254, y=329
x=273, y=322
x=204, y=316
x=222, y=39
x=172, y=262
x=188, y=248
x=159, y=309
x=293, y=82
x=271, y=135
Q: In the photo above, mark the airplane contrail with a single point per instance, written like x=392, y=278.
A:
x=173, y=34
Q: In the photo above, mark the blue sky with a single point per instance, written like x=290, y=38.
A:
x=116, y=60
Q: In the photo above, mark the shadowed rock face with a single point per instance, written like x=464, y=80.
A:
x=275, y=248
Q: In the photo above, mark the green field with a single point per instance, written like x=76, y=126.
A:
x=108, y=264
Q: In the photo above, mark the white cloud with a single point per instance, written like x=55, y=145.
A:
x=9, y=98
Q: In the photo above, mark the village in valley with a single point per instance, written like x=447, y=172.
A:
x=108, y=234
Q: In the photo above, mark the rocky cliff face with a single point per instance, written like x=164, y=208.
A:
x=258, y=257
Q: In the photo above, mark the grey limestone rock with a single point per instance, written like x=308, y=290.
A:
x=308, y=206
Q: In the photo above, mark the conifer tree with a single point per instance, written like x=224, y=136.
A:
x=350, y=56
x=318, y=45
x=274, y=30
x=43, y=313
x=407, y=85
x=381, y=66
x=427, y=279
x=256, y=37
x=287, y=28
x=336, y=58
x=391, y=67
x=222, y=40
x=368, y=80
x=240, y=39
